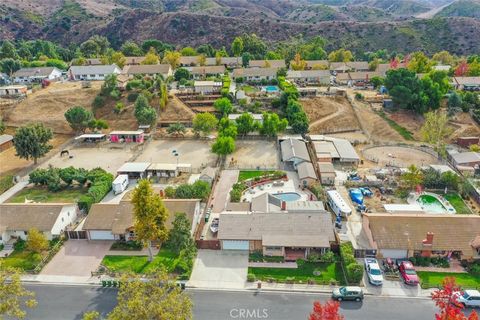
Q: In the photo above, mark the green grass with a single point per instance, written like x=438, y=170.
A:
x=41, y=194
x=457, y=202
x=407, y=135
x=140, y=264
x=6, y=182
x=23, y=260
x=434, y=279
x=249, y=89
x=245, y=175
x=304, y=272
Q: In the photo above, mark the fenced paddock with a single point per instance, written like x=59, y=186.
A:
x=400, y=155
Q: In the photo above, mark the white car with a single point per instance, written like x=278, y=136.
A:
x=469, y=298
x=374, y=273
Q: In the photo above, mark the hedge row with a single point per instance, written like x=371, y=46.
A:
x=354, y=270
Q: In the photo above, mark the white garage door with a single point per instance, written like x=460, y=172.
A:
x=394, y=254
x=235, y=245
x=101, y=235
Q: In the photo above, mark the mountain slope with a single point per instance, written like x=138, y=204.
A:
x=461, y=8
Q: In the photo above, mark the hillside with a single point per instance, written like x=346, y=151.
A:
x=461, y=8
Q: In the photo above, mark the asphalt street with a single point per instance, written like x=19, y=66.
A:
x=70, y=302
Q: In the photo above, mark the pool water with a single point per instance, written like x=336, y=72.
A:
x=431, y=204
x=288, y=196
x=271, y=88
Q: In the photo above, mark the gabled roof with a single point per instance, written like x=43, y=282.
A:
x=147, y=69
x=134, y=167
x=24, y=216
x=472, y=81
x=208, y=70
x=278, y=229
x=97, y=69
x=292, y=74
x=134, y=60
x=5, y=138
x=223, y=60
x=267, y=64
x=293, y=148
x=35, y=72
x=466, y=157
x=189, y=60
x=306, y=170
x=254, y=72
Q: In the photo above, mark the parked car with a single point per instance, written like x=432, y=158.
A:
x=374, y=273
x=348, y=293
x=469, y=298
x=408, y=273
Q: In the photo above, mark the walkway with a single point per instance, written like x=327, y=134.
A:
x=16, y=188
x=284, y=265
x=221, y=194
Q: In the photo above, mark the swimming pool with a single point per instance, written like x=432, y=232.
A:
x=271, y=88
x=431, y=204
x=287, y=196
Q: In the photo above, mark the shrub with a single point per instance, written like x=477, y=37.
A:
x=474, y=269
x=359, y=96
x=170, y=192
x=20, y=245
x=236, y=192
x=251, y=277
x=132, y=96
x=119, y=108
x=327, y=257
x=134, y=84
x=354, y=272
x=98, y=102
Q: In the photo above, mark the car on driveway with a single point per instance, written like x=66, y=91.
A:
x=374, y=273
x=469, y=298
x=408, y=273
x=348, y=293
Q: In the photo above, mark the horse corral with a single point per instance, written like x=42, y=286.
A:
x=399, y=156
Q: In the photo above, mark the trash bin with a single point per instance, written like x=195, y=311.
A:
x=207, y=216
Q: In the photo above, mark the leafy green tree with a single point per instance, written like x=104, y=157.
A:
x=435, y=131
x=13, y=295
x=340, y=55
x=158, y=45
x=201, y=190
x=182, y=73
x=31, y=141
x=91, y=315
x=272, y=124
x=246, y=57
x=204, y=123
x=420, y=63
x=10, y=66
x=454, y=104
x=299, y=122
x=57, y=63
x=180, y=235
x=157, y=298
x=143, y=112
x=245, y=124
x=150, y=215
x=223, y=105
x=176, y=129
x=97, y=124
x=444, y=57
x=151, y=57
x=412, y=178
x=131, y=49
x=8, y=50
x=109, y=85
x=102, y=42
x=172, y=58
x=237, y=46
x=207, y=50
x=114, y=57
x=223, y=145
x=313, y=49
x=227, y=128
x=254, y=45
x=377, y=81
x=430, y=95
x=78, y=118
x=188, y=52
x=90, y=49
x=442, y=79
x=36, y=241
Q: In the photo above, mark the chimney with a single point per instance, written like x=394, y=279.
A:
x=429, y=240
x=284, y=206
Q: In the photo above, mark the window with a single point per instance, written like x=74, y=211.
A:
x=273, y=248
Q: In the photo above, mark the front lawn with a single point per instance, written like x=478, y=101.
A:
x=21, y=259
x=329, y=272
x=434, y=279
x=250, y=174
x=140, y=264
x=249, y=89
x=6, y=182
x=457, y=202
x=42, y=194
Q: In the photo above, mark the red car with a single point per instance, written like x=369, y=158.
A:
x=407, y=271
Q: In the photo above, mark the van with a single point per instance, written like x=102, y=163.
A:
x=120, y=184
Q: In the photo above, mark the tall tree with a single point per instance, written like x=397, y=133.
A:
x=412, y=178
x=172, y=58
x=78, y=118
x=204, y=123
x=224, y=106
x=151, y=57
x=227, y=128
x=237, y=47
x=419, y=63
x=223, y=145
x=180, y=235
x=36, y=241
x=254, y=45
x=435, y=130
x=298, y=63
x=328, y=311
x=114, y=57
x=31, y=141
x=272, y=124
x=8, y=50
x=245, y=123
x=150, y=215
x=131, y=49
x=446, y=301
x=157, y=298
x=13, y=296
x=454, y=104
x=340, y=55
x=444, y=57
x=10, y=66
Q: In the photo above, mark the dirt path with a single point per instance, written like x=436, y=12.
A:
x=431, y=13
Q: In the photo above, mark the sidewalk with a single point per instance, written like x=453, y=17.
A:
x=17, y=187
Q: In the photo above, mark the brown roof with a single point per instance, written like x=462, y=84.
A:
x=406, y=230
x=279, y=229
x=23, y=216
x=147, y=69
x=306, y=170
x=254, y=72
x=263, y=63
x=189, y=60
x=119, y=217
x=363, y=75
x=208, y=70
x=134, y=60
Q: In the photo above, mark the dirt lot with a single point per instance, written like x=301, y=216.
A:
x=399, y=156
x=11, y=164
x=464, y=126
x=330, y=114
x=253, y=154
x=176, y=110
x=195, y=152
x=110, y=158
x=49, y=105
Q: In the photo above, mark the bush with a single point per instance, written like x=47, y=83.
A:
x=237, y=191
x=98, y=102
x=354, y=272
x=474, y=269
x=119, y=108
x=327, y=257
x=132, y=96
x=359, y=96
x=20, y=245
x=170, y=192
x=251, y=277
x=134, y=84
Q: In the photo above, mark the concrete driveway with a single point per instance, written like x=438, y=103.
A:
x=77, y=258
x=220, y=269
x=221, y=194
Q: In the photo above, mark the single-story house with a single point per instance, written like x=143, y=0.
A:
x=208, y=174
x=115, y=221
x=442, y=68
x=228, y=62
x=257, y=117
x=464, y=159
x=255, y=74
x=327, y=173
x=152, y=70
x=402, y=235
x=382, y=68
x=132, y=61
x=137, y=136
x=314, y=64
x=353, y=66
x=467, y=83
x=207, y=71
x=92, y=72
x=135, y=170
x=6, y=142
x=306, y=173
x=207, y=87
x=189, y=61
x=49, y=218
x=312, y=77
x=294, y=151
x=362, y=78
x=291, y=235
x=27, y=75
x=339, y=150
x=276, y=64
x=268, y=203
x=13, y=91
